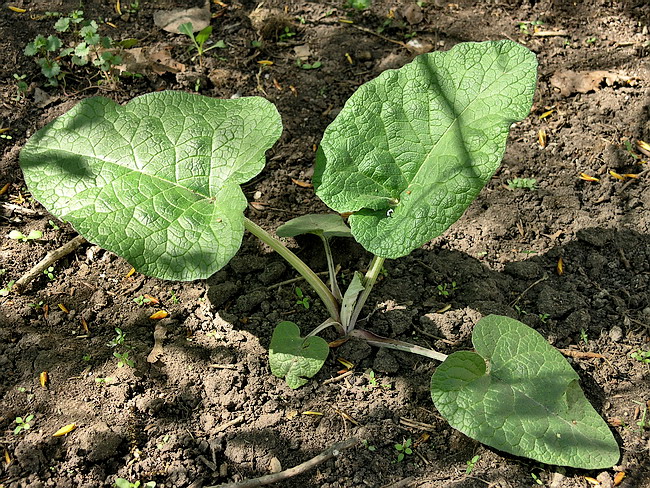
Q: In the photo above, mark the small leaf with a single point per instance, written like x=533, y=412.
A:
x=187, y=29
x=326, y=225
x=350, y=298
x=295, y=358
x=203, y=35
x=518, y=394
x=43, y=379
x=65, y=430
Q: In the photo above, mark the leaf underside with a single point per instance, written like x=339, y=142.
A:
x=295, y=358
x=326, y=225
x=412, y=148
x=157, y=180
x=526, y=402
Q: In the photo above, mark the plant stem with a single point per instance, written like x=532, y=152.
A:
x=330, y=266
x=370, y=279
x=379, y=341
x=299, y=265
x=329, y=322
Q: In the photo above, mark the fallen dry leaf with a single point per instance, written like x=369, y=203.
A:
x=303, y=184
x=569, y=82
x=65, y=430
x=157, y=59
x=160, y=314
x=169, y=20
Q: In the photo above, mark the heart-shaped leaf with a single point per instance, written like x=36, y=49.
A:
x=518, y=394
x=326, y=225
x=157, y=180
x=295, y=358
x=412, y=148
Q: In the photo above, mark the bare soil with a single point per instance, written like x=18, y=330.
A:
x=209, y=411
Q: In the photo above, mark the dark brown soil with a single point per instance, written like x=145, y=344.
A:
x=172, y=421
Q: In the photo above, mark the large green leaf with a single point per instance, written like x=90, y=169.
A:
x=157, y=180
x=295, y=358
x=526, y=400
x=412, y=148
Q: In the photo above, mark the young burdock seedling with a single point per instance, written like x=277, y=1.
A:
x=406, y=155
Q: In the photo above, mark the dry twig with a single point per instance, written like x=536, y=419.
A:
x=327, y=454
x=49, y=259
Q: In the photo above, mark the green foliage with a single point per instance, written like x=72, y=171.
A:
x=471, y=463
x=403, y=449
x=446, y=289
x=359, y=4
x=49, y=272
x=175, y=159
x=199, y=40
x=303, y=65
x=525, y=183
x=124, y=483
x=118, y=340
x=302, y=298
x=19, y=236
x=157, y=181
x=411, y=149
x=123, y=359
x=326, y=225
x=518, y=394
x=286, y=34
x=7, y=288
x=295, y=358
x=21, y=87
x=142, y=300
x=23, y=424
x=84, y=45
x=641, y=355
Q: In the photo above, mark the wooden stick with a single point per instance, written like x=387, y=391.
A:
x=327, y=454
x=49, y=259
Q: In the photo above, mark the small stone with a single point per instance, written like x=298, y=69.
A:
x=616, y=333
x=275, y=466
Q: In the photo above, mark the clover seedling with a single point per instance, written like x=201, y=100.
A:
x=158, y=182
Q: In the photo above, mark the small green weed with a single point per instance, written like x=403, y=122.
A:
x=641, y=356
x=23, y=424
x=536, y=478
x=142, y=300
x=286, y=34
x=368, y=446
x=123, y=359
x=471, y=463
x=4, y=292
x=19, y=236
x=21, y=87
x=522, y=183
x=446, y=289
x=49, y=272
x=84, y=46
x=403, y=449
x=302, y=298
x=119, y=338
x=530, y=27
x=314, y=65
x=123, y=483
x=199, y=40
x=583, y=336
x=543, y=317
x=374, y=383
